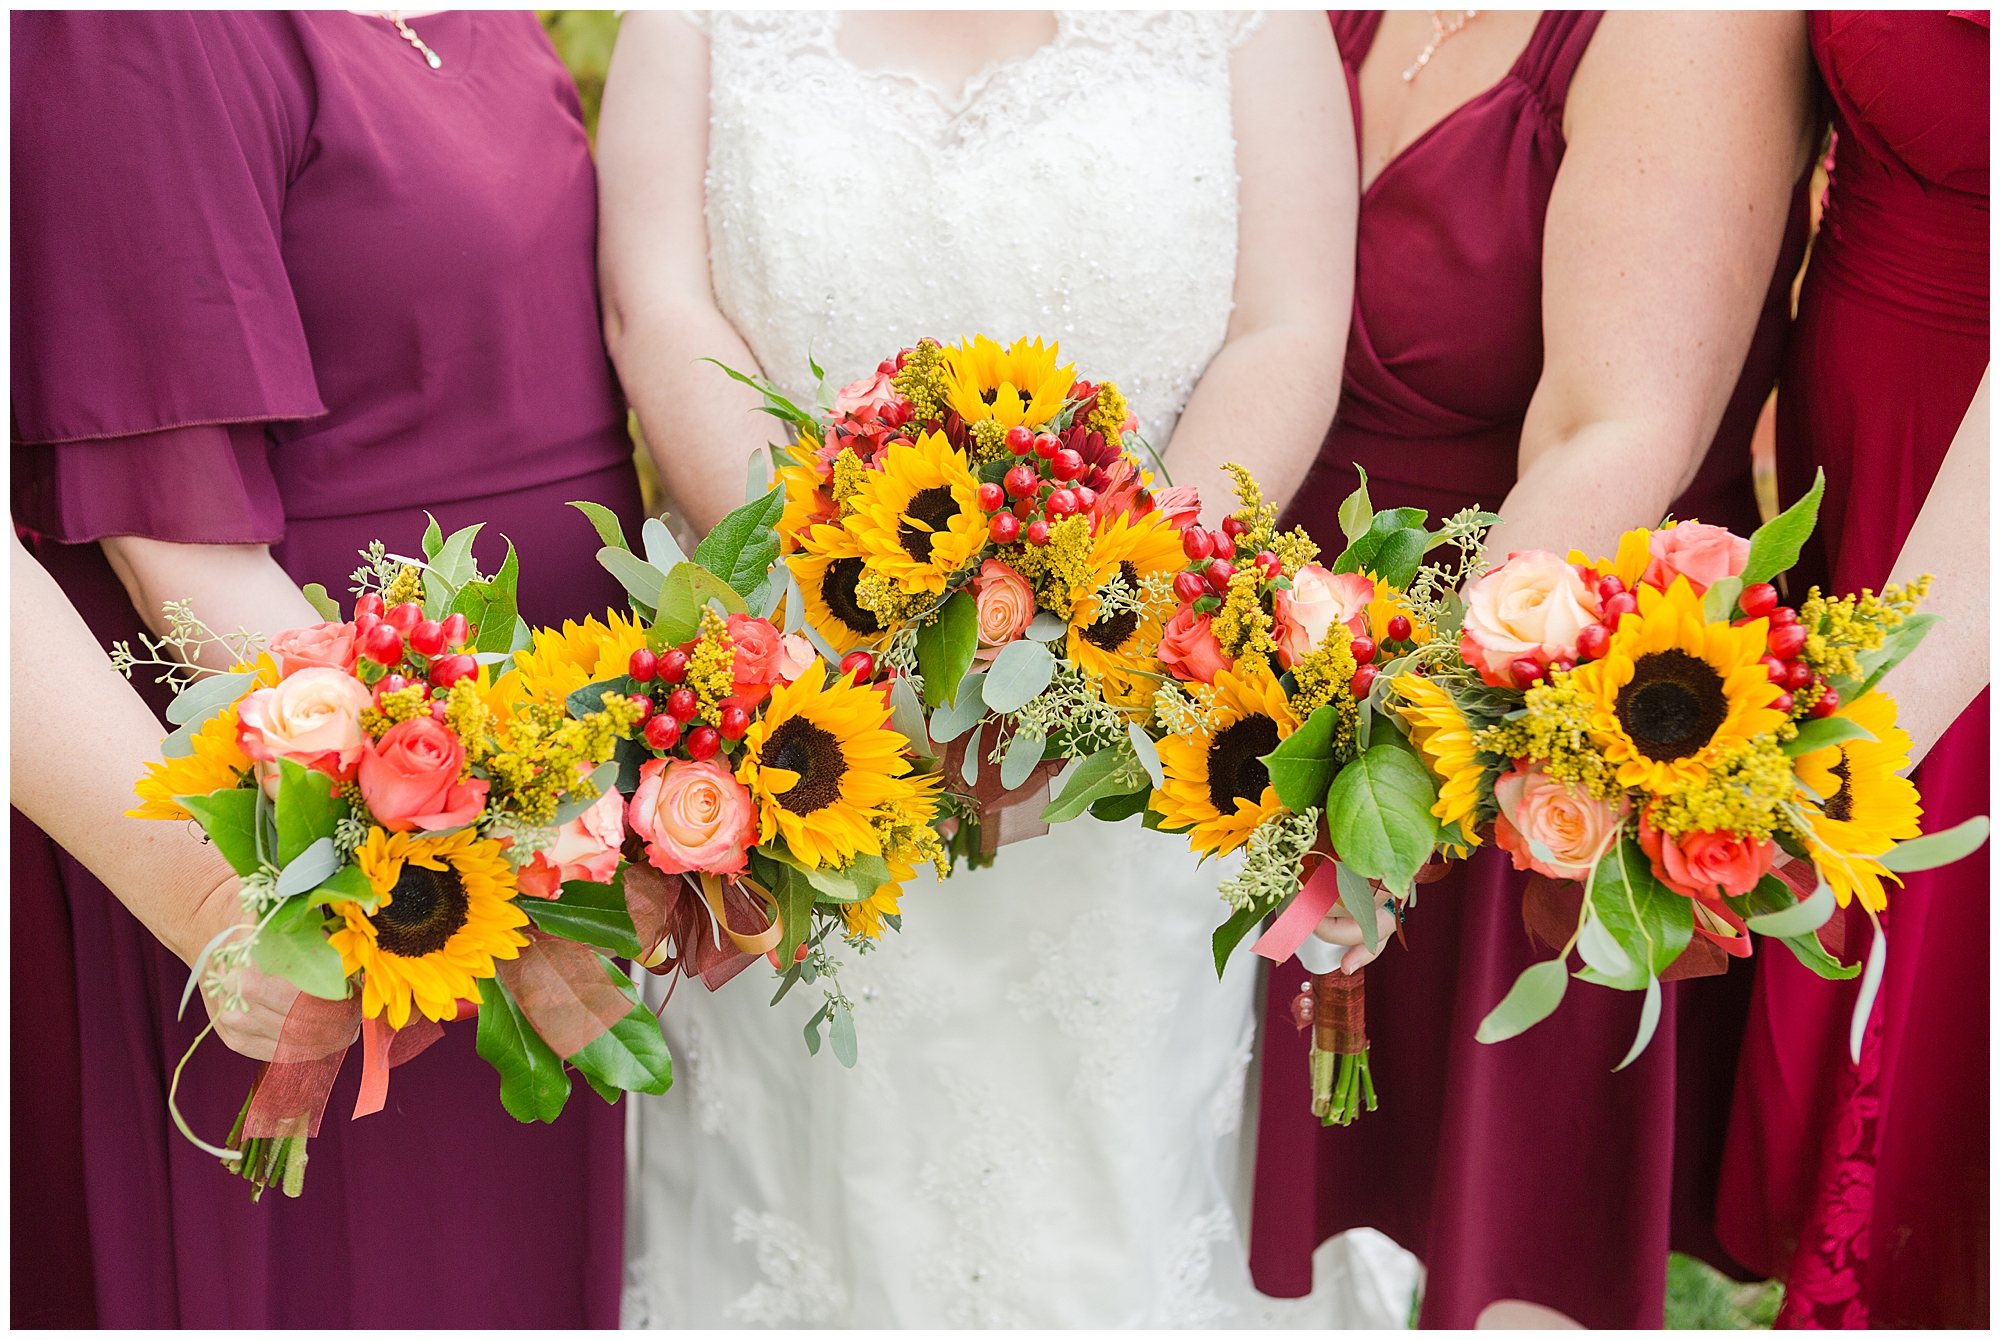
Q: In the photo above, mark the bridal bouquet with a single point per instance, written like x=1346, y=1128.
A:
x=403, y=825
x=972, y=528
x=1682, y=758
x=1278, y=737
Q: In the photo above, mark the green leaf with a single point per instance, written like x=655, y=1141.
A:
x=1401, y=554
x=1649, y=1020
x=662, y=550
x=906, y=717
x=1650, y=922
x=1117, y=809
x=606, y=521
x=1301, y=767
x=1534, y=997
x=1808, y=950
x=1147, y=753
x=209, y=695
x=774, y=404
x=1864, y=999
x=679, y=610
x=1018, y=674
x=1379, y=815
x=1024, y=751
x=345, y=885
x=533, y=1086
x=1718, y=603
x=498, y=621
x=845, y=1047
x=1801, y=918
x=1774, y=895
x=603, y=778
x=1365, y=553
x=1899, y=643
x=631, y=1055
x=310, y=869
x=1046, y=627
x=1601, y=950
x=1356, y=512
x=454, y=562
x=230, y=820
x=850, y=884
x=944, y=649
x=795, y=896
x=1108, y=772
x=433, y=537
x=1231, y=932
x=955, y=719
x=1935, y=849
x=641, y=580
x=316, y=596
x=1824, y=733
x=707, y=586
x=744, y=544
x=1775, y=546
x=589, y=913
x=1357, y=896
x=308, y=810
x=293, y=946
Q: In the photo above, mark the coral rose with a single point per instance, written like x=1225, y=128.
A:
x=1006, y=606
x=312, y=717
x=585, y=848
x=760, y=653
x=1569, y=824
x=870, y=393
x=1181, y=505
x=1188, y=648
x=1702, y=554
x=1317, y=601
x=331, y=646
x=1533, y=603
x=409, y=778
x=693, y=816
x=1706, y=867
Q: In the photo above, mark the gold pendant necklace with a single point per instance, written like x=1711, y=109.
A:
x=1439, y=36
x=432, y=59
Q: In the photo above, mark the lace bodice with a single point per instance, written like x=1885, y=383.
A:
x=1085, y=193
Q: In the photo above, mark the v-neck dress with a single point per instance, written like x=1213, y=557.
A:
x=276, y=281
x=1525, y=1169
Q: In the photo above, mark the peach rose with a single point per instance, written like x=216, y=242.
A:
x=1702, y=554
x=1317, y=601
x=312, y=717
x=693, y=816
x=328, y=645
x=1534, y=602
x=585, y=848
x=1570, y=824
x=872, y=392
x=759, y=654
x=795, y=656
x=409, y=778
x=1188, y=648
x=1006, y=606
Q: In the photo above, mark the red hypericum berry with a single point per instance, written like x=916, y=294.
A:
x=383, y=644
x=1784, y=616
x=1061, y=504
x=1189, y=587
x=1020, y=439
x=1592, y=640
x=1047, y=445
x=1066, y=465
x=1782, y=703
x=448, y=670
x=1220, y=570
x=1526, y=671
x=1196, y=544
x=1005, y=528
x=1609, y=586
x=1268, y=564
x=1232, y=527
x=1563, y=663
x=645, y=664
x=457, y=632
x=662, y=732
x=365, y=621
x=389, y=683
x=888, y=367
x=405, y=617
x=1758, y=600
x=1398, y=629
x=1038, y=532
x=859, y=664
x=1363, y=649
x=991, y=497
x=1225, y=543
x=1775, y=670
x=368, y=603
x=438, y=709
x=1364, y=680
x=703, y=741
x=1786, y=641
x=1828, y=704
x=683, y=704
x=735, y=721
x=427, y=638
x=1022, y=481
x=1025, y=509
x=673, y=665
x=1797, y=675
x=1086, y=498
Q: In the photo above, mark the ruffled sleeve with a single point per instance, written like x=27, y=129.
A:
x=153, y=320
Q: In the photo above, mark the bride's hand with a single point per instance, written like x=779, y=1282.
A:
x=1338, y=928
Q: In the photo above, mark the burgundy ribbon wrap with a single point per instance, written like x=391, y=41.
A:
x=562, y=988
x=1004, y=816
x=704, y=926
x=291, y=1090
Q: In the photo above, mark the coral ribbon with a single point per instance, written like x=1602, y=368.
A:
x=382, y=1049
x=1315, y=900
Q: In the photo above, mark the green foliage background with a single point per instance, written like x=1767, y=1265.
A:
x=584, y=38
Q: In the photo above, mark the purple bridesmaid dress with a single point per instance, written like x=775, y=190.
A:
x=1525, y=1169
x=277, y=281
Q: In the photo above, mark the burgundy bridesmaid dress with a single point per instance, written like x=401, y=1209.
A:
x=1525, y=1169
x=1866, y=1187
x=277, y=281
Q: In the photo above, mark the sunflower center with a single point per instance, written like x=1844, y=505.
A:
x=426, y=908
x=1113, y=631
x=935, y=507
x=1673, y=706
x=990, y=394
x=839, y=589
x=1236, y=762
x=814, y=754
x=1840, y=805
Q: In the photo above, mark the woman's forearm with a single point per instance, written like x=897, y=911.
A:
x=1588, y=487
x=233, y=586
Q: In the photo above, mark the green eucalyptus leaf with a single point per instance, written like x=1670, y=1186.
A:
x=640, y=579
x=606, y=522
x=1801, y=918
x=1357, y=896
x=1824, y=733
x=1024, y=751
x=663, y=551
x=1935, y=849
x=316, y=596
x=209, y=695
x=1018, y=675
x=841, y=1035
x=956, y=718
x=1649, y=1020
x=1533, y=998
x=309, y=869
x=345, y=885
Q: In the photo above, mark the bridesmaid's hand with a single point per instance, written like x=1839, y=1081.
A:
x=1338, y=928
x=254, y=1029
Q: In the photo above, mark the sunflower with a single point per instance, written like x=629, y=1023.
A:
x=1444, y=740
x=1018, y=385
x=216, y=764
x=829, y=568
x=1387, y=604
x=918, y=518
x=563, y=661
x=808, y=499
x=1673, y=691
x=447, y=911
x=1864, y=807
x=819, y=763
x=1217, y=785
x=1134, y=551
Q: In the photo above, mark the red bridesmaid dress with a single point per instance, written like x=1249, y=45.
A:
x=1525, y=1169
x=1866, y=1187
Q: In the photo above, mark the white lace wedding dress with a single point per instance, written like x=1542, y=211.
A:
x=1047, y=1123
